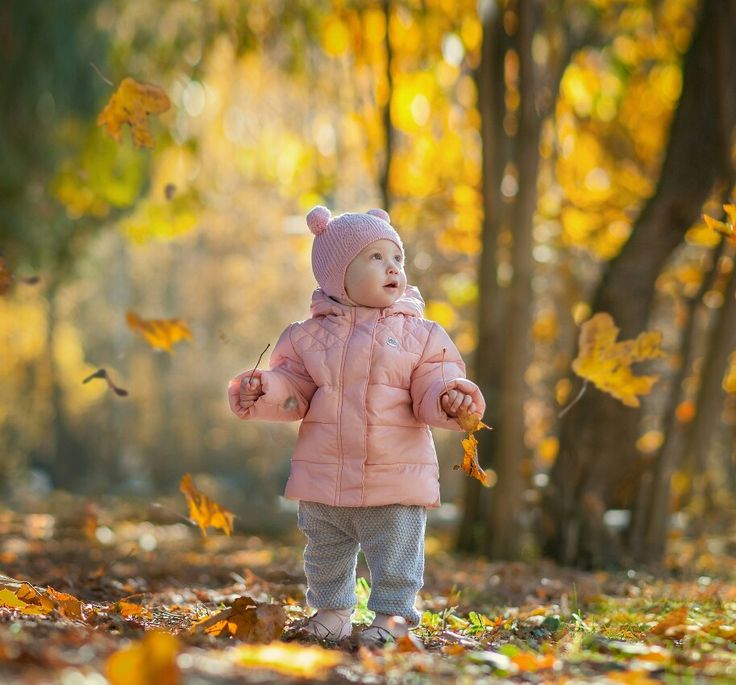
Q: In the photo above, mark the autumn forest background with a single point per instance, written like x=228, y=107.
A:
x=546, y=163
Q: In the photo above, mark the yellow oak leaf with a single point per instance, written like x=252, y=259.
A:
x=204, y=511
x=131, y=104
x=161, y=333
x=607, y=363
x=152, y=661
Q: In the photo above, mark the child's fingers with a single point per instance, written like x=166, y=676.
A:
x=457, y=402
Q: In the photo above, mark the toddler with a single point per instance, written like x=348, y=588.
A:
x=367, y=375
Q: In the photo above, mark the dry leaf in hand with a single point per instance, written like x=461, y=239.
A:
x=204, y=511
x=472, y=423
x=607, y=363
x=161, y=333
x=246, y=619
x=131, y=104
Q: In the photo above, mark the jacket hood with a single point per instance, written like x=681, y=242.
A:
x=410, y=303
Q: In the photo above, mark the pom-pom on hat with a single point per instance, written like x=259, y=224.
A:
x=338, y=240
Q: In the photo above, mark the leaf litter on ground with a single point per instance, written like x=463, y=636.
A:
x=155, y=602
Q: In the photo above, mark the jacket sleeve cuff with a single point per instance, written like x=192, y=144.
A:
x=431, y=411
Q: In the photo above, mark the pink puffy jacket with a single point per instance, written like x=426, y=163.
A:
x=366, y=383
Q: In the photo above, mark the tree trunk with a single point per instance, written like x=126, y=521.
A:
x=652, y=508
x=597, y=462
x=500, y=151
x=489, y=352
x=704, y=428
x=507, y=496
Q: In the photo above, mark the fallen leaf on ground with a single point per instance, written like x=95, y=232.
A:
x=678, y=617
x=289, y=659
x=204, y=511
x=247, y=620
x=530, y=662
x=9, y=600
x=152, y=661
x=131, y=610
x=67, y=605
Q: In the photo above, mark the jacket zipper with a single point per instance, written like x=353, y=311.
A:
x=341, y=384
x=365, y=405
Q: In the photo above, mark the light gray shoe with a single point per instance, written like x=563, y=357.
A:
x=315, y=629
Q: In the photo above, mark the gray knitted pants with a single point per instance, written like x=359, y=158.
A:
x=392, y=540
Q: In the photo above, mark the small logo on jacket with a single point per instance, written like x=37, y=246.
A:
x=393, y=342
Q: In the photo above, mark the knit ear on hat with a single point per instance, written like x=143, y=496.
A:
x=381, y=214
x=318, y=218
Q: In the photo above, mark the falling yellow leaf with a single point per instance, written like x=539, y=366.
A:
x=607, y=363
x=289, y=659
x=204, y=511
x=131, y=104
x=246, y=619
x=161, y=333
x=152, y=661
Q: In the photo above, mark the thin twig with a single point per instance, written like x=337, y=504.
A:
x=442, y=369
x=259, y=361
x=572, y=404
x=102, y=76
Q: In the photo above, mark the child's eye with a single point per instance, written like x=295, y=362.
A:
x=398, y=258
x=376, y=254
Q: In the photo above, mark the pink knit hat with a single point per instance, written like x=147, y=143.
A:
x=338, y=241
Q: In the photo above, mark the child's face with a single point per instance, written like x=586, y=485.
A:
x=376, y=278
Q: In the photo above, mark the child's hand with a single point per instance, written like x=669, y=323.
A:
x=459, y=401
x=250, y=390
x=241, y=394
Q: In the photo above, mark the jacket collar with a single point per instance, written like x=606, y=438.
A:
x=410, y=303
